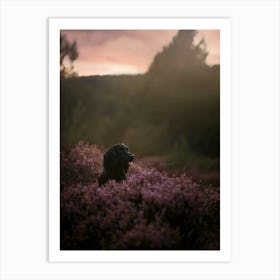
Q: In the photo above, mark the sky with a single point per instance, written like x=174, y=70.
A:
x=105, y=52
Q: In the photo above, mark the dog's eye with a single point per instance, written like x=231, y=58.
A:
x=120, y=149
x=124, y=148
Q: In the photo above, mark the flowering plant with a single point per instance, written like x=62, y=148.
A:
x=148, y=211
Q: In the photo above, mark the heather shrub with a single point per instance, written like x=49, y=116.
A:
x=80, y=165
x=149, y=210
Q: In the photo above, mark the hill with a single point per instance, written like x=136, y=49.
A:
x=172, y=111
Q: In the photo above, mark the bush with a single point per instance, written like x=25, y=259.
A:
x=79, y=165
x=148, y=211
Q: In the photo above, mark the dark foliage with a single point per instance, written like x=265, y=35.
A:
x=147, y=211
x=70, y=51
x=173, y=110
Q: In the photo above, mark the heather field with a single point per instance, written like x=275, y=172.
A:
x=150, y=210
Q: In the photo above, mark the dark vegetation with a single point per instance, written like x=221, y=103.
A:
x=171, y=113
x=170, y=119
x=148, y=211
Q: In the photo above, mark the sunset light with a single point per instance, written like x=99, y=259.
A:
x=106, y=52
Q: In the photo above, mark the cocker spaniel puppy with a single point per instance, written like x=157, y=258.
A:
x=116, y=163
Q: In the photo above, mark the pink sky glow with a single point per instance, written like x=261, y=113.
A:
x=103, y=52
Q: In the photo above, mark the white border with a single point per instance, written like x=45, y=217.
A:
x=55, y=25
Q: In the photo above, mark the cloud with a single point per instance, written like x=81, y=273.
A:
x=126, y=51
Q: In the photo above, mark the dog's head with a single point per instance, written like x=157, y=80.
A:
x=117, y=157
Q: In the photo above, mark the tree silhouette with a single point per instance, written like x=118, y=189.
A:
x=180, y=55
x=67, y=50
x=173, y=110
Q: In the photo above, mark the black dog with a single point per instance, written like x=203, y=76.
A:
x=116, y=163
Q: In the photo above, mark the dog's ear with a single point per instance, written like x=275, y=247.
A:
x=110, y=159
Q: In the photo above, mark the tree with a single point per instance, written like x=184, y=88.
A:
x=67, y=51
x=181, y=55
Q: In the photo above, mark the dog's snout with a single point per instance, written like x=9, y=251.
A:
x=131, y=156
